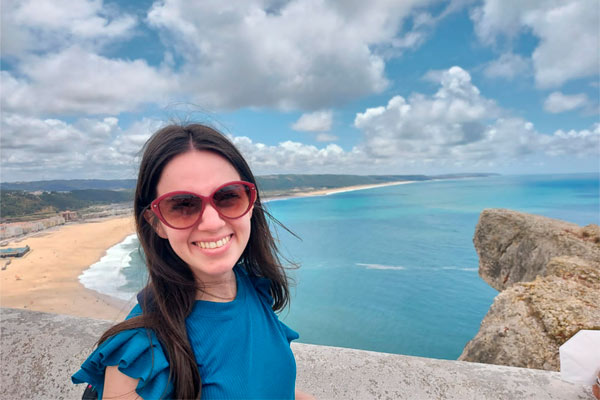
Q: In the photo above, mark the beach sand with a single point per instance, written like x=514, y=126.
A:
x=46, y=279
x=326, y=192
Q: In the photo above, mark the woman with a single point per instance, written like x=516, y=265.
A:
x=205, y=323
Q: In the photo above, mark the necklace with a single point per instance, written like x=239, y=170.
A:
x=202, y=289
x=216, y=296
x=228, y=298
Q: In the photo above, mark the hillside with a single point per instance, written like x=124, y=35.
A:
x=15, y=204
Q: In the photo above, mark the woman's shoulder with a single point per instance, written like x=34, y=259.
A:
x=137, y=353
x=135, y=312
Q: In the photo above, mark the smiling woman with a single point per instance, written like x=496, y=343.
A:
x=205, y=324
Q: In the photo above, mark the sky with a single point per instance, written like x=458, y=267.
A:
x=303, y=86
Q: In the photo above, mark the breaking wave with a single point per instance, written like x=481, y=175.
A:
x=379, y=266
x=461, y=268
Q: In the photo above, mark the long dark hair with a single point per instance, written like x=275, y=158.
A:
x=171, y=290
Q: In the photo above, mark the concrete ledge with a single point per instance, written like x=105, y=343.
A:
x=40, y=351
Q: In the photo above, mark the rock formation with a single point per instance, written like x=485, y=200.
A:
x=548, y=272
x=516, y=247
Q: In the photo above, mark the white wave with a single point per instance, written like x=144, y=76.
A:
x=105, y=276
x=272, y=199
x=379, y=266
x=461, y=268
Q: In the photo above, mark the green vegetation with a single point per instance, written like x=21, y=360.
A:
x=17, y=203
x=67, y=185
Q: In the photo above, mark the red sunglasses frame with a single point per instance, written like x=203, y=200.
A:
x=154, y=206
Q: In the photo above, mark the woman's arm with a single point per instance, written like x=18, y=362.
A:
x=300, y=395
x=118, y=386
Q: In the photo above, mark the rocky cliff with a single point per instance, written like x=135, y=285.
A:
x=548, y=272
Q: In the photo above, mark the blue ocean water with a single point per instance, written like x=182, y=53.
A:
x=393, y=269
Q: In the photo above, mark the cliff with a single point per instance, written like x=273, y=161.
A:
x=548, y=272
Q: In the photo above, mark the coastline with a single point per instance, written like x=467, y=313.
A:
x=47, y=278
x=330, y=191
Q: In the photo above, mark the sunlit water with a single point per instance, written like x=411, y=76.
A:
x=390, y=269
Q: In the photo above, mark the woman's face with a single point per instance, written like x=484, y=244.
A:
x=202, y=172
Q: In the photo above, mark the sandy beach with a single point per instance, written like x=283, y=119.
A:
x=46, y=279
x=326, y=192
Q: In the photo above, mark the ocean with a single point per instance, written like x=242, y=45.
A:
x=390, y=269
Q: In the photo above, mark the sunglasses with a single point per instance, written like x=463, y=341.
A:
x=182, y=210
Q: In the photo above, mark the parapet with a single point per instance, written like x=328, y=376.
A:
x=40, y=351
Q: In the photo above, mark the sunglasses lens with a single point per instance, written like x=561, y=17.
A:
x=181, y=210
x=233, y=201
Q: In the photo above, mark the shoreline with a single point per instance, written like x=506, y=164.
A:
x=47, y=278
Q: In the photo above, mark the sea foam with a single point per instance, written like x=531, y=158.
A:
x=379, y=266
x=461, y=268
x=106, y=276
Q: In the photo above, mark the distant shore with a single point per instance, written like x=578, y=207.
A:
x=329, y=191
x=47, y=278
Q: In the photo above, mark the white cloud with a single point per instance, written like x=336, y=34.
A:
x=426, y=127
x=453, y=129
x=130, y=142
x=558, y=102
x=41, y=25
x=55, y=67
x=295, y=157
x=326, y=137
x=410, y=40
x=78, y=81
x=318, y=121
x=302, y=54
x=47, y=136
x=508, y=66
x=298, y=54
x=34, y=148
x=578, y=143
x=457, y=127
x=498, y=17
x=569, y=46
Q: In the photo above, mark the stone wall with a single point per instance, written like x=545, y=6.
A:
x=40, y=351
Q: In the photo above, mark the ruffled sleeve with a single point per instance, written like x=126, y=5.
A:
x=139, y=355
x=290, y=334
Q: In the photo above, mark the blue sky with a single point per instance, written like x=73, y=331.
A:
x=304, y=86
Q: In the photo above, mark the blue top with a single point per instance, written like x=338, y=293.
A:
x=241, y=347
